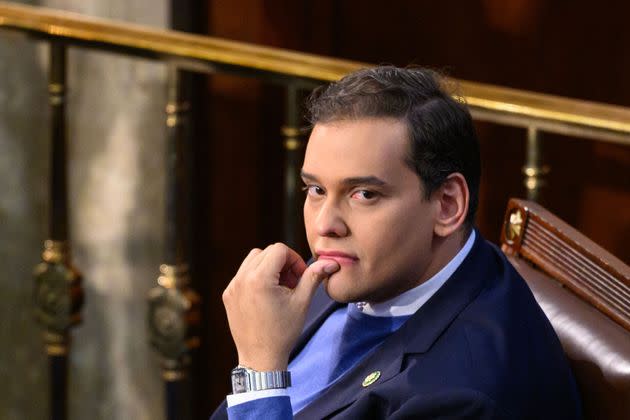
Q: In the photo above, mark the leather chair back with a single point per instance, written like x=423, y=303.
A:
x=585, y=293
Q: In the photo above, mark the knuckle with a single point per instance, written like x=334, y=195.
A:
x=228, y=292
x=280, y=248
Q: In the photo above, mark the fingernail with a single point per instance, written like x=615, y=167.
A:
x=331, y=268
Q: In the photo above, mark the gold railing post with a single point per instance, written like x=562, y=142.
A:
x=57, y=292
x=174, y=307
x=534, y=170
x=293, y=145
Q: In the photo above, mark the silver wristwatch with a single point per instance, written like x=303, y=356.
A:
x=245, y=379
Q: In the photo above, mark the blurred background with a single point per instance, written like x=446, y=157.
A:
x=116, y=164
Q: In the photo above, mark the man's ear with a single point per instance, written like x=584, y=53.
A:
x=452, y=200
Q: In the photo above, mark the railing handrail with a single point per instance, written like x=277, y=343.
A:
x=491, y=103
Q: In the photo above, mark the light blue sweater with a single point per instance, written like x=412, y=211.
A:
x=346, y=337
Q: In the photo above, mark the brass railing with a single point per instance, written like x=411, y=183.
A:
x=173, y=300
x=534, y=111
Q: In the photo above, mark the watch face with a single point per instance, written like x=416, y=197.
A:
x=239, y=380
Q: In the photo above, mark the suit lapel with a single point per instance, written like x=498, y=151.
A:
x=429, y=322
x=386, y=360
x=417, y=335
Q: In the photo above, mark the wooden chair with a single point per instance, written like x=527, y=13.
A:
x=585, y=292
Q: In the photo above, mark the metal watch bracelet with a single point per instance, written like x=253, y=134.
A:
x=245, y=379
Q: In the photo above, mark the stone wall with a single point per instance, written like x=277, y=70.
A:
x=116, y=140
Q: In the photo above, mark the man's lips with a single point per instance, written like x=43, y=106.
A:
x=342, y=258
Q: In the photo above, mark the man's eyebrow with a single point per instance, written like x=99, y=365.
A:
x=306, y=175
x=355, y=180
x=364, y=180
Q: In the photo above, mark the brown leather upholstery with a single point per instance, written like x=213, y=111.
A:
x=594, y=338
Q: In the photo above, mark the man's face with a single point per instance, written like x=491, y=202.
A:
x=365, y=208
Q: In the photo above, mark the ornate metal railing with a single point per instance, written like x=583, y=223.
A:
x=174, y=307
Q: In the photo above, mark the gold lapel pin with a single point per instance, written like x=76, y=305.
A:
x=371, y=378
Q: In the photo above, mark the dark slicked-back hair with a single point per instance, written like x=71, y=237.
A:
x=442, y=135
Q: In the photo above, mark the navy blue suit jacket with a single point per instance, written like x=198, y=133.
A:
x=480, y=348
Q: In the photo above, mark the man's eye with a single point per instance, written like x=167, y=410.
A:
x=313, y=190
x=364, y=195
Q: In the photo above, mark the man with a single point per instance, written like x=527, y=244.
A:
x=417, y=315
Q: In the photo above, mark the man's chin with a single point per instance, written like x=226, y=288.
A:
x=339, y=292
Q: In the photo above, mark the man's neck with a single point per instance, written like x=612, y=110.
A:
x=444, y=249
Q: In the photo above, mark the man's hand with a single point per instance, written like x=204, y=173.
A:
x=266, y=304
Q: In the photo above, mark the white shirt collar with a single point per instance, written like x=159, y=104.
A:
x=409, y=302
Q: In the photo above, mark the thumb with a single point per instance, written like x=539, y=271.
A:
x=312, y=276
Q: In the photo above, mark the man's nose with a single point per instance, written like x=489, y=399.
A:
x=330, y=220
